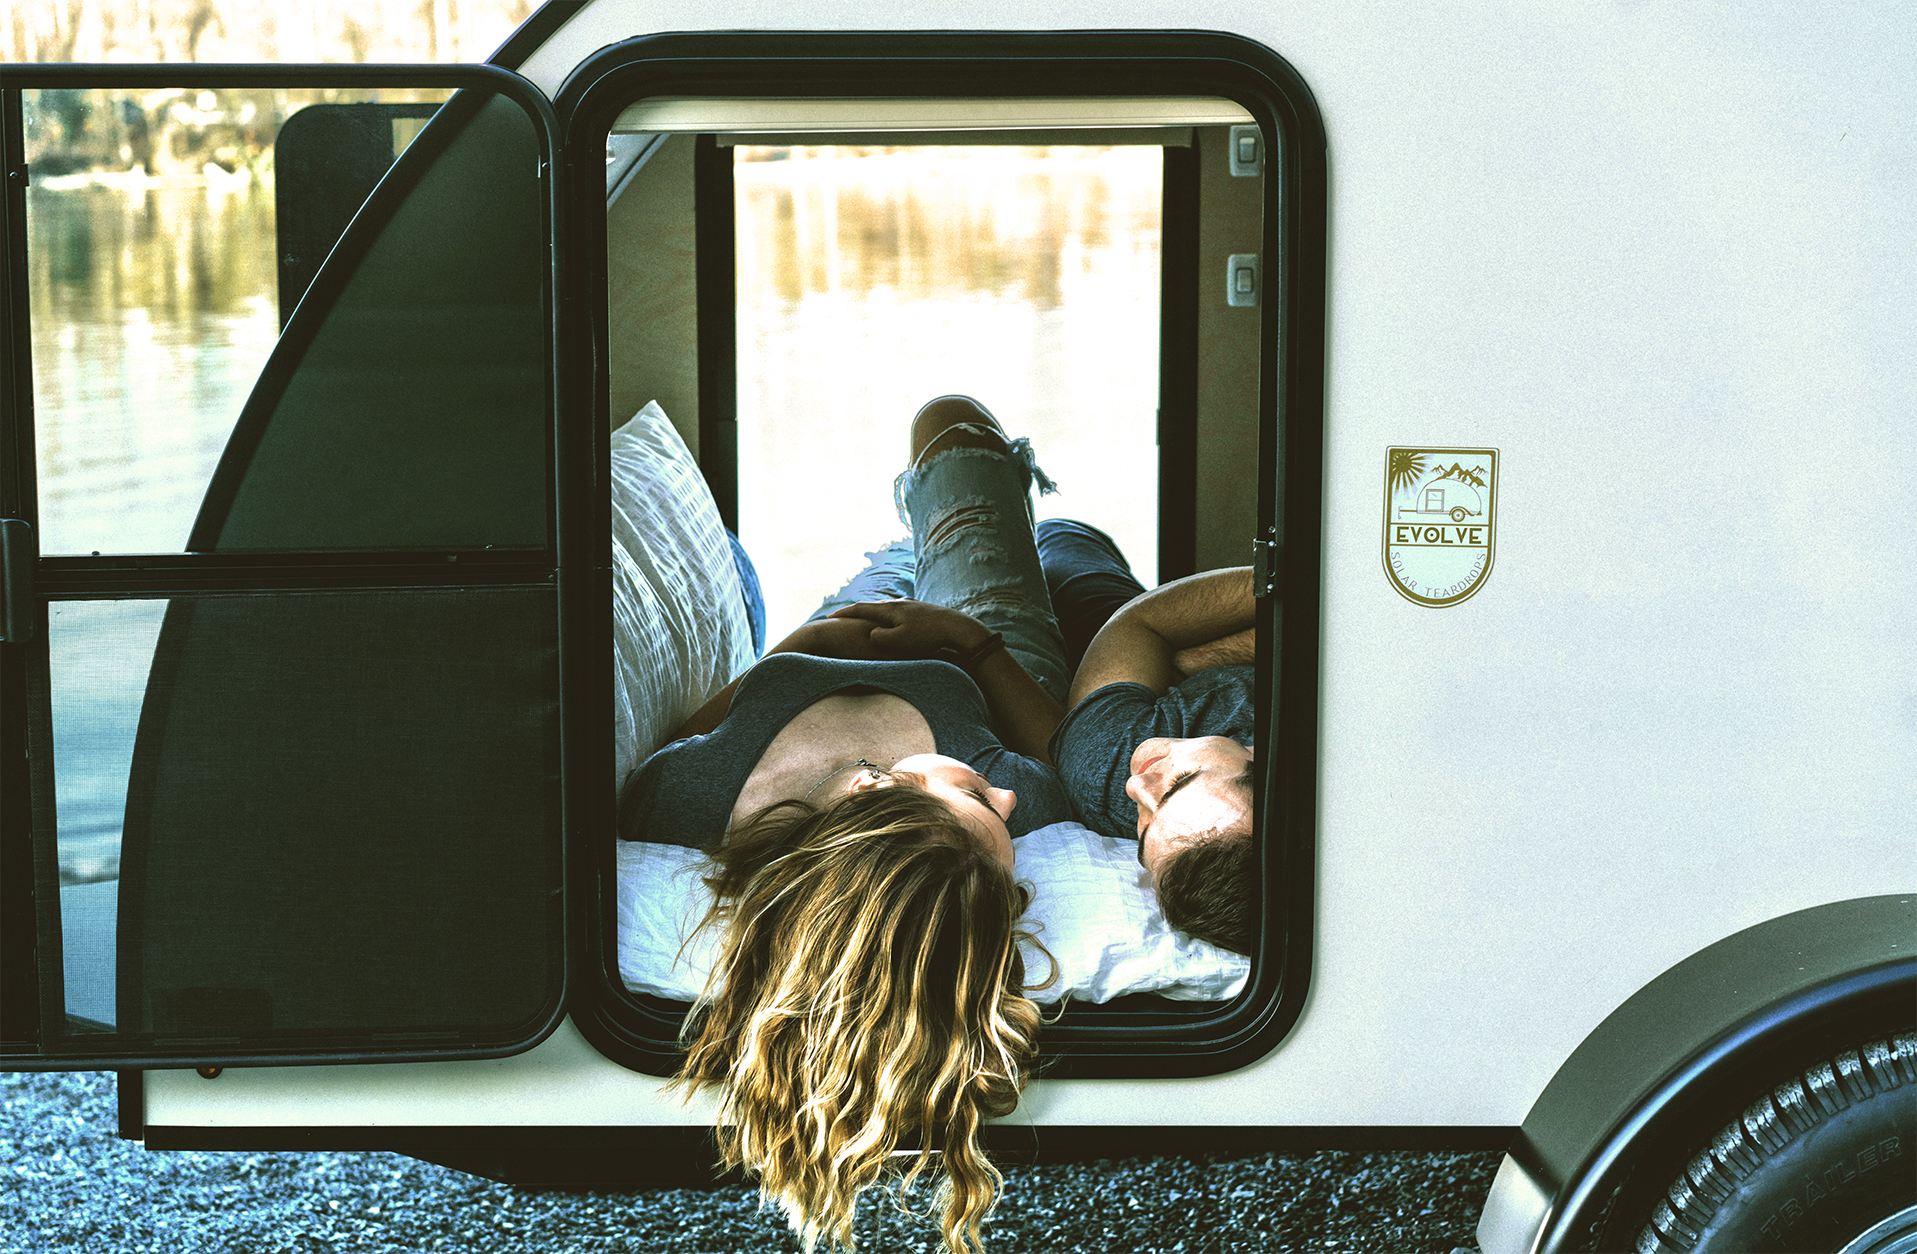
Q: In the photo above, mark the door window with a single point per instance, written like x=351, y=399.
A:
x=157, y=284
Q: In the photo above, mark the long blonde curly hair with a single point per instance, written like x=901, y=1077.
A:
x=869, y=984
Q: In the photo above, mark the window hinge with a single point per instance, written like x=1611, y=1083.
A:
x=16, y=580
x=1264, y=566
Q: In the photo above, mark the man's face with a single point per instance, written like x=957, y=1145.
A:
x=1188, y=790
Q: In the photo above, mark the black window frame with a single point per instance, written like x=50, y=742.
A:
x=1117, y=1041
x=565, y=559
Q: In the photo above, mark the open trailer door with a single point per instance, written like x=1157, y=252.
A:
x=282, y=677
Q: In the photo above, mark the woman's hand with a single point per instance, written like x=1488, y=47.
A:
x=912, y=629
x=1023, y=715
x=847, y=638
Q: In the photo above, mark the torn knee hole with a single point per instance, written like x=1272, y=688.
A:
x=950, y=524
x=986, y=601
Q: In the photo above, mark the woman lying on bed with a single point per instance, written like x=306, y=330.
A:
x=858, y=790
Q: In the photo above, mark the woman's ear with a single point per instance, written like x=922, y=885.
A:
x=868, y=778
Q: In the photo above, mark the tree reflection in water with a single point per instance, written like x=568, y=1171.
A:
x=153, y=311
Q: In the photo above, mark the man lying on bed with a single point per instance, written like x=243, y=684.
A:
x=1156, y=744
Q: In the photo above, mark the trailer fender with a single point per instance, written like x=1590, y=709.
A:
x=1686, y=1053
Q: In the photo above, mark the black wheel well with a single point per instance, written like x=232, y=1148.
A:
x=1793, y=1043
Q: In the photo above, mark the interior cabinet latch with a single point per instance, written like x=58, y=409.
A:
x=1242, y=280
x=1247, y=152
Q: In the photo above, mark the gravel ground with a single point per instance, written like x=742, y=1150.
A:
x=67, y=1182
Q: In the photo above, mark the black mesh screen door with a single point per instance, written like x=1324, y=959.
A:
x=283, y=651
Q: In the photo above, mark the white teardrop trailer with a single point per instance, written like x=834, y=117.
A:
x=1586, y=828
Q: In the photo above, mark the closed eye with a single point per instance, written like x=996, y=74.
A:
x=1176, y=784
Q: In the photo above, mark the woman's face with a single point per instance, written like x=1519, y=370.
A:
x=979, y=806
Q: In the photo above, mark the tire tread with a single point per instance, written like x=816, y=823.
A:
x=1794, y=1108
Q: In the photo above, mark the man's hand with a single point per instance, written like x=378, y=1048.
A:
x=911, y=629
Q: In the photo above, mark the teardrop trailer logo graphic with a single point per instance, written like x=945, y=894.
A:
x=1440, y=522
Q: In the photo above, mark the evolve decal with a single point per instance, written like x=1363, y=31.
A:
x=1440, y=522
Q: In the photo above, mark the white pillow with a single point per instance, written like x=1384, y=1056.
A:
x=680, y=631
x=1094, y=908
x=661, y=899
x=1092, y=905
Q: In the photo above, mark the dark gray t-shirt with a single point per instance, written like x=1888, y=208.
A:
x=684, y=794
x=1093, y=746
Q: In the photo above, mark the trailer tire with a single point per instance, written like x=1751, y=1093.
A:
x=1812, y=1164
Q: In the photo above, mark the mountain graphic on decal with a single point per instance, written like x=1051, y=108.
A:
x=1458, y=472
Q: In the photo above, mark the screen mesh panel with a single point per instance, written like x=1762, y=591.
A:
x=423, y=393
x=342, y=819
x=303, y=804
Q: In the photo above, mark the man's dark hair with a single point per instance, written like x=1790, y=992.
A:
x=1207, y=891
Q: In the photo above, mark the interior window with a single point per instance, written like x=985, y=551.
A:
x=871, y=278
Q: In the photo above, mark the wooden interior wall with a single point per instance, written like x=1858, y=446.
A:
x=1231, y=216
x=654, y=350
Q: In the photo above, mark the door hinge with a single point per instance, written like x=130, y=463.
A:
x=16, y=580
x=1264, y=566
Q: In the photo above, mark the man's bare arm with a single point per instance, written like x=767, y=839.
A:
x=1239, y=648
x=1140, y=642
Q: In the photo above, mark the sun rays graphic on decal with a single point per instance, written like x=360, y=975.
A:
x=1406, y=466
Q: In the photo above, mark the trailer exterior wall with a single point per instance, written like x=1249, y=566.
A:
x=1661, y=257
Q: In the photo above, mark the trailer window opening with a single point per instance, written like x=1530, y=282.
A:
x=789, y=281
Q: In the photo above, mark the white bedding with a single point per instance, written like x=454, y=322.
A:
x=1092, y=906
x=679, y=621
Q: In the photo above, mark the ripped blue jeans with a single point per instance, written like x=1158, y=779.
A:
x=972, y=549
